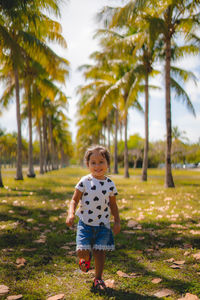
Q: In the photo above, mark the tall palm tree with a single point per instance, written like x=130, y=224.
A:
x=165, y=22
x=24, y=41
x=173, y=20
x=102, y=75
x=127, y=84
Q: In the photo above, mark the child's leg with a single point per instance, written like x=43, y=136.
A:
x=84, y=260
x=84, y=254
x=99, y=259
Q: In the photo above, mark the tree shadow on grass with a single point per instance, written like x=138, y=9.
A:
x=121, y=294
x=43, y=192
x=46, y=254
x=150, y=249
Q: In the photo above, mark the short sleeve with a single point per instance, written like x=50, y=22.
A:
x=80, y=186
x=113, y=190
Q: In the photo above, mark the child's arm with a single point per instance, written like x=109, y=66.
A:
x=115, y=213
x=72, y=207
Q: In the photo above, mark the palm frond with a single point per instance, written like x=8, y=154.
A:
x=183, y=75
x=181, y=94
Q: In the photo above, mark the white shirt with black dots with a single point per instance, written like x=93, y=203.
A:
x=94, y=207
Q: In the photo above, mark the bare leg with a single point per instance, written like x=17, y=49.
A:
x=99, y=259
x=84, y=257
x=85, y=254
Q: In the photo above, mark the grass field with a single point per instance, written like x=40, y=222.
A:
x=157, y=252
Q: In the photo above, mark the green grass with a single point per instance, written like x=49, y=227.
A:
x=168, y=227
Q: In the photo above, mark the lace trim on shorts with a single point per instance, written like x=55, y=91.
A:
x=104, y=247
x=83, y=247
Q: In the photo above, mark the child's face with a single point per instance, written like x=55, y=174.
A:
x=97, y=165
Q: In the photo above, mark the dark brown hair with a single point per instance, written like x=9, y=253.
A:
x=102, y=150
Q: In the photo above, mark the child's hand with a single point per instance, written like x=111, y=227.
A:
x=116, y=228
x=70, y=221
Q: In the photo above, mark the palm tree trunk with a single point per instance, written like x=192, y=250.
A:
x=116, y=141
x=52, y=152
x=108, y=128
x=62, y=157
x=168, y=172
x=31, y=172
x=19, y=175
x=44, y=129
x=126, y=173
x=146, y=144
x=1, y=181
x=41, y=149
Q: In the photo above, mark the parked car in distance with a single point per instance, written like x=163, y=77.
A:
x=189, y=166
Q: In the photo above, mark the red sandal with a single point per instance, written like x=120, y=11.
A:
x=99, y=284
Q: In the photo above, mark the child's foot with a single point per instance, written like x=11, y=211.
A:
x=99, y=285
x=84, y=265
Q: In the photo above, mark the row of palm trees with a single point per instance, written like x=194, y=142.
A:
x=33, y=74
x=134, y=38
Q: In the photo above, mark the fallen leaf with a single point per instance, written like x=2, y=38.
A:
x=28, y=249
x=189, y=296
x=197, y=255
x=57, y=297
x=124, y=200
x=20, y=261
x=140, y=238
x=170, y=260
x=175, y=267
x=3, y=289
x=134, y=275
x=168, y=199
x=14, y=297
x=179, y=262
x=122, y=274
x=156, y=280
x=177, y=226
x=132, y=223
x=65, y=247
x=91, y=271
x=128, y=232
x=36, y=228
x=30, y=220
x=195, y=232
x=163, y=293
x=110, y=283
x=178, y=238
x=40, y=241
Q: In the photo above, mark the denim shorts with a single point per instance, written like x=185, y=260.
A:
x=94, y=237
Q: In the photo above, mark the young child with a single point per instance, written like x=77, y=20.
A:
x=97, y=193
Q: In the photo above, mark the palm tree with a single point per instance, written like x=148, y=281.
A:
x=178, y=134
x=24, y=41
x=165, y=22
x=103, y=76
x=127, y=84
x=171, y=22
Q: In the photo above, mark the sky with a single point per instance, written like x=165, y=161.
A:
x=79, y=25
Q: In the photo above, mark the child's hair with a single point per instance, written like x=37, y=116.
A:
x=102, y=150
